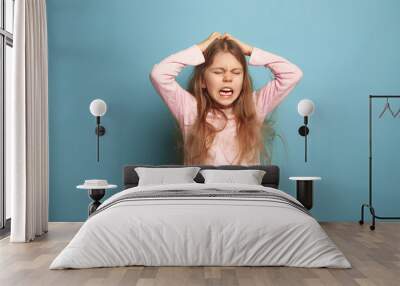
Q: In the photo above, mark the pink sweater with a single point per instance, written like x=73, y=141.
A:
x=183, y=104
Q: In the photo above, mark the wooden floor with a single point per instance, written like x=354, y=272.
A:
x=374, y=255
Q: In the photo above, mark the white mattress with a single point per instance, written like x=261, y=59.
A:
x=200, y=231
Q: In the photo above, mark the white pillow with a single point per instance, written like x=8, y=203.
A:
x=162, y=176
x=249, y=177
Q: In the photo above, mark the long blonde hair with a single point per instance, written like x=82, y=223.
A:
x=250, y=131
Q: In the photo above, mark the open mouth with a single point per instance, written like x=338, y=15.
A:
x=226, y=91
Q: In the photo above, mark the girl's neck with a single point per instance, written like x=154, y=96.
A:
x=228, y=110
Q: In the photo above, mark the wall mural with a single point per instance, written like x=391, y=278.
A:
x=221, y=117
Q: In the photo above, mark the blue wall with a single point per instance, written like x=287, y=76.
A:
x=106, y=49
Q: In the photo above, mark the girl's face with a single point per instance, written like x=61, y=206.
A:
x=224, y=79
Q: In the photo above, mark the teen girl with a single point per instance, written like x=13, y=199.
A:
x=220, y=116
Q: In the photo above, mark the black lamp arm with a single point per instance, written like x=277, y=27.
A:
x=100, y=131
x=303, y=131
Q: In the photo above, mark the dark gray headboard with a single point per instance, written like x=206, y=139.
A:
x=270, y=179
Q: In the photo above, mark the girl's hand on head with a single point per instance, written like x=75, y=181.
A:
x=204, y=44
x=246, y=49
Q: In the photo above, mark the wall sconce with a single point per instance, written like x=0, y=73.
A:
x=98, y=108
x=305, y=109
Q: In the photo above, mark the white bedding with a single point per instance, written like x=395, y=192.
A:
x=200, y=231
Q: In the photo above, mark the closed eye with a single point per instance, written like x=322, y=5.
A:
x=233, y=73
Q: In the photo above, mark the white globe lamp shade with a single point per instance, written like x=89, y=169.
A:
x=305, y=107
x=98, y=107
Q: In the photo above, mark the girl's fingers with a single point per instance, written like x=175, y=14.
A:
x=214, y=35
x=217, y=35
x=228, y=36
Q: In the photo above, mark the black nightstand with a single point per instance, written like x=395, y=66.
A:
x=304, y=190
x=96, y=191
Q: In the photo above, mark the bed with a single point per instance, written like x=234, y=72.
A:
x=201, y=223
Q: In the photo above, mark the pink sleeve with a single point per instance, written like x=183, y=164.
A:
x=286, y=76
x=179, y=101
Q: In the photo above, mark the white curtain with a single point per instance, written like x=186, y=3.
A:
x=27, y=123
